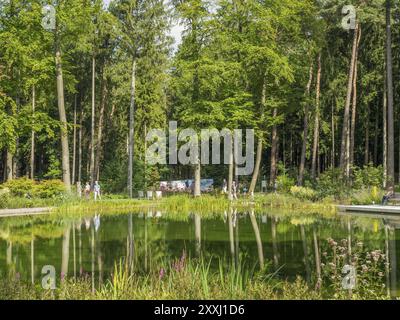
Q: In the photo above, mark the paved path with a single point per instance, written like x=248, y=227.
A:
x=371, y=208
x=23, y=212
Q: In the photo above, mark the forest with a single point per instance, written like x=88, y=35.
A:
x=82, y=82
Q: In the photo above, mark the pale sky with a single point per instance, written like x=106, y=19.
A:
x=176, y=30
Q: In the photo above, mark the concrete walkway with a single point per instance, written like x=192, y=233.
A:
x=371, y=209
x=23, y=212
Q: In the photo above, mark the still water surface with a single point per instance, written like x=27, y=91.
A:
x=288, y=245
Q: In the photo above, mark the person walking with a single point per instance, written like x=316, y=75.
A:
x=224, y=187
x=234, y=190
x=87, y=191
x=97, y=192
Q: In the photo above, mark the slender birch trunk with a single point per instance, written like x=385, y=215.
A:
x=74, y=143
x=333, y=136
x=385, y=134
x=100, y=128
x=80, y=145
x=366, y=147
x=354, y=109
x=256, y=171
x=230, y=175
x=316, y=123
x=63, y=119
x=32, y=164
x=389, y=84
x=92, y=142
x=197, y=180
x=346, y=118
x=274, y=149
x=305, y=129
x=131, y=129
x=9, y=166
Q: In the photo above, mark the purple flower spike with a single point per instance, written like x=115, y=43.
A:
x=162, y=273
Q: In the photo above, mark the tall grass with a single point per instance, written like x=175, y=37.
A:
x=178, y=207
x=194, y=279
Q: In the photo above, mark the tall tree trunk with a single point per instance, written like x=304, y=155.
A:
x=32, y=164
x=9, y=166
x=274, y=149
x=100, y=128
x=144, y=160
x=376, y=135
x=344, y=157
x=230, y=175
x=92, y=141
x=316, y=122
x=384, y=134
x=256, y=171
x=305, y=129
x=74, y=143
x=131, y=129
x=354, y=109
x=197, y=180
x=333, y=136
x=366, y=147
x=390, y=119
x=80, y=144
x=63, y=119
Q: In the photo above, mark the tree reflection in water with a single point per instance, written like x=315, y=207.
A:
x=293, y=244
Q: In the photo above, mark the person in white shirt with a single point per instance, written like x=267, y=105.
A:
x=97, y=191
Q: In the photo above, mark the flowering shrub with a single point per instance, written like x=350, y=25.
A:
x=371, y=268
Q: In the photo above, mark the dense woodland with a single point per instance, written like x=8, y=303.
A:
x=78, y=98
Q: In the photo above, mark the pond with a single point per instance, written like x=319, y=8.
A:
x=286, y=245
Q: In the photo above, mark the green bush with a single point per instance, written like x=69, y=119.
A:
x=27, y=188
x=331, y=183
x=20, y=187
x=4, y=197
x=303, y=193
x=368, y=177
x=367, y=196
x=284, y=182
x=49, y=189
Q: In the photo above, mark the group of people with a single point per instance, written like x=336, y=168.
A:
x=234, y=189
x=88, y=189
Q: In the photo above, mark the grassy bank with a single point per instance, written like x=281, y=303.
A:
x=206, y=206
x=187, y=280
